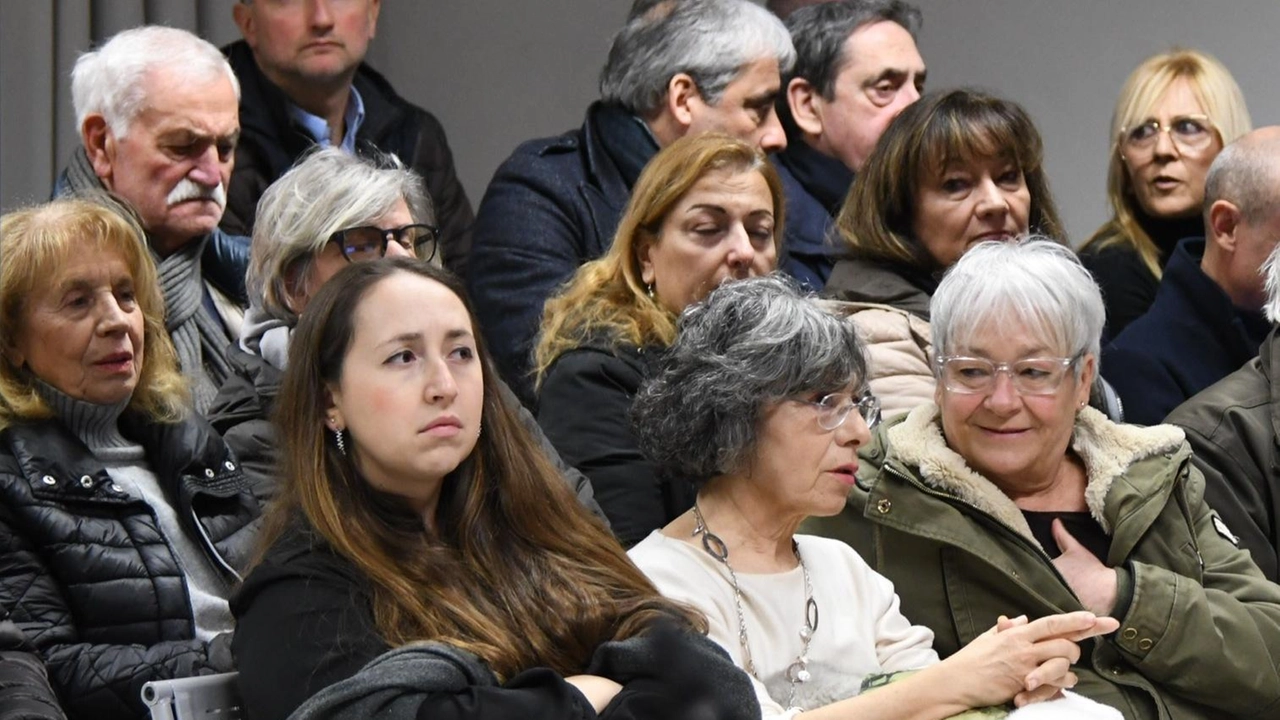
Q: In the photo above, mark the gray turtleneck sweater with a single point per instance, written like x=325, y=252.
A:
x=98, y=428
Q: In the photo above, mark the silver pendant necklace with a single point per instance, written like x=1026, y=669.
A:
x=798, y=671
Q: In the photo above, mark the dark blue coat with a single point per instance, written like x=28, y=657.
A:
x=1191, y=337
x=815, y=187
x=552, y=206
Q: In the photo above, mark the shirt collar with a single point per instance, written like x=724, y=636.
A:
x=318, y=129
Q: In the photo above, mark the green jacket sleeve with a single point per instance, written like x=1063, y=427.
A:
x=1216, y=642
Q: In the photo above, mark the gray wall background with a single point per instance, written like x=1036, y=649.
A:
x=497, y=72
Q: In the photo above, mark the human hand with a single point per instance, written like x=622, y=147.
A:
x=1094, y=583
x=599, y=691
x=1024, y=661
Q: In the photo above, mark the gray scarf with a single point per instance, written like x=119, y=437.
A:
x=199, y=338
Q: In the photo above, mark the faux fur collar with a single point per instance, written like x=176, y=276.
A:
x=1107, y=450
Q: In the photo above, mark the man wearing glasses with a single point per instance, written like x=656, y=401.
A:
x=1206, y=320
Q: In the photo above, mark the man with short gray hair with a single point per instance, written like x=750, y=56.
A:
x=1234, y=425
x=1206, y=320
x=856, y=68
x=676, y=67
x=158, y=120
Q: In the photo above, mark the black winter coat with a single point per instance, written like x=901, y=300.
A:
x=584, y=407
x=270, y=143
x=85, y=572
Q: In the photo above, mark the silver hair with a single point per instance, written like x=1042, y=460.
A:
x=327, y=191
x=710, y=40
x=821, y=33
x=1271, y=271
x=749, y=344
x=1245, y=175
x=1034, y=281
x=109, y=81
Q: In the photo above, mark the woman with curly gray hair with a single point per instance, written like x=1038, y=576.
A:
x=755, y=405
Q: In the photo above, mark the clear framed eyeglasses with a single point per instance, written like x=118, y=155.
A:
x=1030, y=376
x=1191, y=133
x=834, y=409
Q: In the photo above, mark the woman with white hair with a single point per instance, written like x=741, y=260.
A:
x=1009, y=494
x=329, y=211
x=760, y=403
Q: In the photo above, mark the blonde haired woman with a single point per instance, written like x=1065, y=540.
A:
x=1175, y=113
x=706, y=209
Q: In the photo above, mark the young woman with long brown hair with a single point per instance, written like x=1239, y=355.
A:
x=403, y=517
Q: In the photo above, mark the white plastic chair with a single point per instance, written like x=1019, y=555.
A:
x=207, y=697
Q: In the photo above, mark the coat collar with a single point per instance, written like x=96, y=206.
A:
x=1107, y=450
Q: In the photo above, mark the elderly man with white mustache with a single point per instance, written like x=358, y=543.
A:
x=158, y=113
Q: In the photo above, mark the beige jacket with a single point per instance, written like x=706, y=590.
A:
x=899, y=353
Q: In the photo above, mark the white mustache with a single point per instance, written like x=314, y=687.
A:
x=188, y=189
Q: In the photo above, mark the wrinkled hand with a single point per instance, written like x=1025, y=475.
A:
x=599, y=691
x=1094, y=583
x=1025, y=661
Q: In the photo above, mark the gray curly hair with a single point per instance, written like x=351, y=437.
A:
x=749, y=344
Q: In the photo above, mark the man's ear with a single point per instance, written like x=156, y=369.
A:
x=375, y=6
x=806, y=106
x=682, y=95
x=245, y=19
x=1224, y=218
x=99, y=144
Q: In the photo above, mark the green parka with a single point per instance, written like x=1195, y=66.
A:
x=1200, y=626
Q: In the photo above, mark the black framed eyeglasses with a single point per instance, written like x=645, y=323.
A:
x=360, y=244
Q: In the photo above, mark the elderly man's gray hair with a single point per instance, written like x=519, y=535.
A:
x=1033, y=281
x=820, y=34
x=749, y=344
x=710, y=40
x=109, y=81
x=328, y=191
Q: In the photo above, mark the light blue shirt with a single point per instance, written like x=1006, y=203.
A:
x=318, y=128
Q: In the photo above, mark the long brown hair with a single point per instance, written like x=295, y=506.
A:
x=607, y=295
x=876, y=219
x=515, y=571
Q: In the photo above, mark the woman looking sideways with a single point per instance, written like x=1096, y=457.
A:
x=1174, y=115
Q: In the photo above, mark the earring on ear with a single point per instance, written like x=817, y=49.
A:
x=479, y=428
x=338, y=439
x=649, y=289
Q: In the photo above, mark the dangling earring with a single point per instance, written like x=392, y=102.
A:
x=649, y=288
x=479, y=428
x=340, y=442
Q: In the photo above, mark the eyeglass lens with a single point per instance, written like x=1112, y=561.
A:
x=1031, y=376
x=1190, y=132
x=360, y=244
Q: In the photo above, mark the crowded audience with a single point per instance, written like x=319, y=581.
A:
x=773, y=389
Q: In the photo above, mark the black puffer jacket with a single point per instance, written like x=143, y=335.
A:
x=85, y=572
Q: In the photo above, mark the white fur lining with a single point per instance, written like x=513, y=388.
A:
x=1107, y=450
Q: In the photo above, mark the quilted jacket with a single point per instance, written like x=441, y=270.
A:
x=86, y=573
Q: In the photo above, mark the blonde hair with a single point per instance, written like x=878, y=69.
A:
x=35, y=242
x=1217, y=92
x=607, y=295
